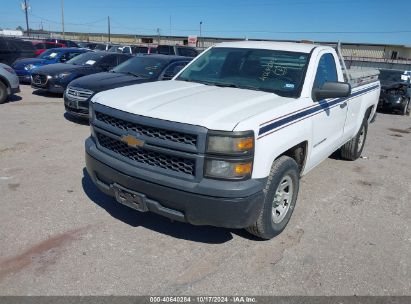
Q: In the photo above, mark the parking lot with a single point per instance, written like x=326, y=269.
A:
x=350, y=233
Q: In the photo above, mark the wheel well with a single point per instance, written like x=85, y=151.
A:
x=298, y=153
x=368, y=113
x=5, y=81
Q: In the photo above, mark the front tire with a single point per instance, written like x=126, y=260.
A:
x=280, y=197
x=406, y=109
x=3, y=92
x=352, y=150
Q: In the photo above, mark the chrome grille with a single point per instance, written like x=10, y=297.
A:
x=80, y=94
x=147, y=157
x=166, y=135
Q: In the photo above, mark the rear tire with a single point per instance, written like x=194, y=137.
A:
x=3, y=92
x=280, y=196
x=352, y=150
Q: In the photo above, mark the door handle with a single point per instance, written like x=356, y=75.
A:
x=343, y=105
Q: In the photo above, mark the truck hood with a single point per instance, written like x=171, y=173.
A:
x=105, y=81
x=212, y=107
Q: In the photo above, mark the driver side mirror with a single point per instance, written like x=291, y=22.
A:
x=332, y=90
x=168, y=75
x=105, y=67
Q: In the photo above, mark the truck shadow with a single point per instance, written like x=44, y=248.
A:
x=80, y=121
x=202, y=234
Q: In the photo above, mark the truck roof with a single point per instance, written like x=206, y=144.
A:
x=270, y=45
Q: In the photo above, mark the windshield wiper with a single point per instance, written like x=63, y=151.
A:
x=135, y=74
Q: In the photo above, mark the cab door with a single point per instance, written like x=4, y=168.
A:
x=329, y=119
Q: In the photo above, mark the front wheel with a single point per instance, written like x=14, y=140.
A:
x=406, y=109
x=280, y=196
x=3, y=92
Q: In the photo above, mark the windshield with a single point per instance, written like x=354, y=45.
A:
x=279, y=72
x=144, y=66
x=394, y=76
x=48, y=55
x=101, y=47
x=89, y=59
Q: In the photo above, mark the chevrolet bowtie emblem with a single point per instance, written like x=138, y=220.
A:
x=132, y=141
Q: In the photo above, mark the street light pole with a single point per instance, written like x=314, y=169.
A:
x=62, y=17
x=199, y=44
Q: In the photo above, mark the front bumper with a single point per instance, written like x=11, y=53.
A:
x=51, y=86
x=387, y=105
x=76, y=108
x=24, y=76
x=178, y=204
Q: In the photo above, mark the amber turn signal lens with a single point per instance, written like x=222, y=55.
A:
x=243, y=169
x=245, y=143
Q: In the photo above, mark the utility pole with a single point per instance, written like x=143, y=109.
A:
x=108, y=24
x=158, y=35
x=27, y=17
x=199, y=44
x=62, y=16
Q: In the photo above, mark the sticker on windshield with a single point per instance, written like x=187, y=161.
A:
x=90, y=62
x=52, y=55
x=289, y=86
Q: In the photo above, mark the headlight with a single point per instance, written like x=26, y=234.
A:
x=229, y=155
x=29, y=67
x=228, y=169
x=10, y=70
x=61, y=75
x=231, y=143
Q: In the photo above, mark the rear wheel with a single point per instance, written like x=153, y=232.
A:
x=3, y=92
x=280, y=196
x=352, y=150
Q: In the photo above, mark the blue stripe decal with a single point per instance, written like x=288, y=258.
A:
x=322, y=105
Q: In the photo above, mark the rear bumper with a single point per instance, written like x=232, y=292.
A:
x=176, y=204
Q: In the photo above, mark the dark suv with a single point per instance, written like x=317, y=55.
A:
x=12, y=49
x=177, y=50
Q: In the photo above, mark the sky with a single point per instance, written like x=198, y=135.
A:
x=365, y=21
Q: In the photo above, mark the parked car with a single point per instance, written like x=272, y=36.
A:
x=67, y=43
x=13, y=48
x=395, y=91
x=23, y=67
x=9, y=82
x=133, y=49
x=136, y=70
x=177, y=50
x=226, y=141
x=42, y=46
x=104, y=46
x=87, y=45
x=55, y=77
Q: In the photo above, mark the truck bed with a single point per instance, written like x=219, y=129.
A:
x=359, y=77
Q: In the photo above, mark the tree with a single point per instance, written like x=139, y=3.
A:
x=20, y=28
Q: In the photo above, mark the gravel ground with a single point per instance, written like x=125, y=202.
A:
x=350, y=233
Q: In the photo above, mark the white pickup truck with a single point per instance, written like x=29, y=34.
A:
x=226, y=142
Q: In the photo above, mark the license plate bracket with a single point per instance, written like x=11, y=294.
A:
x=130, y=198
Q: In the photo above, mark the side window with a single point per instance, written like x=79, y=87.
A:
x=187, y=52
x=121, y=59
x=67, y=56
x=109, y=62
x=173, y=69
x=326, y=71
